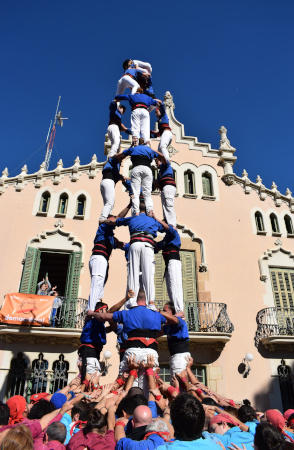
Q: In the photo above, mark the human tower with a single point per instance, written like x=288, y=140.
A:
x=139, y=324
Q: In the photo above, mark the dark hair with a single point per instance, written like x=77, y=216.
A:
x=134, y=390
x=40, y=409
x=187, y=416
x=4, y=414
x=56, y=431
x=126, y=64
x=82, y=408
x=209, y=401
x=246, y=413
x=231, y=410
x=100, y=304
x=171, y=306
x=97, y=421
x=140, y=399
x=267, y=437
x=128, y=405
x=123, y=107
x=142, y=207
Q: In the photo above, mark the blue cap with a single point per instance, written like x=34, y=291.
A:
x=58, y=399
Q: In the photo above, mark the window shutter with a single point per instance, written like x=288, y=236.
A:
x=30, y=271
x=206, y=185
x=161, y=296
x=189, y=289
x=73, y=274
x=283, y=290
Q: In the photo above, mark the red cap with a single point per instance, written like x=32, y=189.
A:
x=35, y=398
x=219, y=418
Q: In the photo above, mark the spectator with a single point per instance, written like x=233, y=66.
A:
x=95, y=434
x=44, y=287
x=18, y=437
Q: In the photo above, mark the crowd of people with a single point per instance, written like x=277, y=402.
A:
x=138, y=409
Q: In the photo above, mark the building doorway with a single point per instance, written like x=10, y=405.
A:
x=63, y=270
x=54, y=265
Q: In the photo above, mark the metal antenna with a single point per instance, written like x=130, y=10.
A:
x=51, y=134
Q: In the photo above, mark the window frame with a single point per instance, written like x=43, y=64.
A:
x=275, y=224
x=62, y=197
x=47, y=195
x=189, y=173
x=80, y=216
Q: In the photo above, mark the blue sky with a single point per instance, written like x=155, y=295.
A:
x=226, y=62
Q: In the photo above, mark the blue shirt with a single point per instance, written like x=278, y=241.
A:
x=141, y=223
x=105, y=233
x=172, y=237
x=134, y=72
x=198, y=444
x=235, y=436
x=67, y=421
x=93, y=332
x=112, y=165
x=177, y=331
x=126, y=249
x=121, y=336
x=151, y=443
x=164, y=117
x=165, y=170
x=139, y=317
x=133, y=99
x=114, y=113
x=141, y=150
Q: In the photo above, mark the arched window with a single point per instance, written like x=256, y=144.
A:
x=38, y=380
x=44, y=203
x=189, y=182
x=289, y=224
x=17, y=376
x=207, y=184
x=62, y=205
x=60, y=369
x=81, y=205
x=274, y=223
x=259, y=221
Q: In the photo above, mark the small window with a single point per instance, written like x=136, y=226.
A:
x=62, y=206
x=44, y=204
x=198, y=371
x=189, y=182
x=274, y=223
x=207, y=185
x=81, y=205
x=289, y=224
x=259, y=221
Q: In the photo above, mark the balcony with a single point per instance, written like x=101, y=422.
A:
x=209, y=325
x=65, y=326
x=275, y=329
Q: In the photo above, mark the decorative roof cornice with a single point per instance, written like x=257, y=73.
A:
x=56, y=175
x=262, y=191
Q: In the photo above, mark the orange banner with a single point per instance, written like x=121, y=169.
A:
x=26, y=309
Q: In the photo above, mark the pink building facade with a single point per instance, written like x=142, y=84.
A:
x=237, y=257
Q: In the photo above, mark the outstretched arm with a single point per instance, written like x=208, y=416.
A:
x=164, y=224
x=125, y=211
x=102, y=317
x=118, y=305
x=169, y=317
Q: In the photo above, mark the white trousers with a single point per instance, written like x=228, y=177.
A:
x=114, y=137
x=165, y=140
x=167, y=199
x=140, y=123
x=107, y=189
x=93, y=366
x=141, y=176
x=173, y=278
x=141, y=256
x=98, y=268
x=130, y=303
x=126, y=82
x=141, y=356
x=178, y=363
x=143, y=65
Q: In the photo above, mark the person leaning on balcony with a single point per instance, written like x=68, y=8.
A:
x=177, y=339
x=92, y=339
x=44, y=287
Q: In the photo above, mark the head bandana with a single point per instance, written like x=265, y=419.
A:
x=219, y=418
x=288, y=413
x=275, y=418
x=37, y=397
x=17, y=405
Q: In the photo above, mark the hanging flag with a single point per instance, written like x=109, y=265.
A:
x=26, y=309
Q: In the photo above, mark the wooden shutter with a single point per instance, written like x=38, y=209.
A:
x=161, y=296
x=206, y=185
x=189, y=289
x=73, y=274
x=283, y=290
x=30, y=271
x=186, y=179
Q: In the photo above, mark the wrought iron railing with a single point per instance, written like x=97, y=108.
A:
x=71, y=313
x=206, y=317
x=274, y=322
